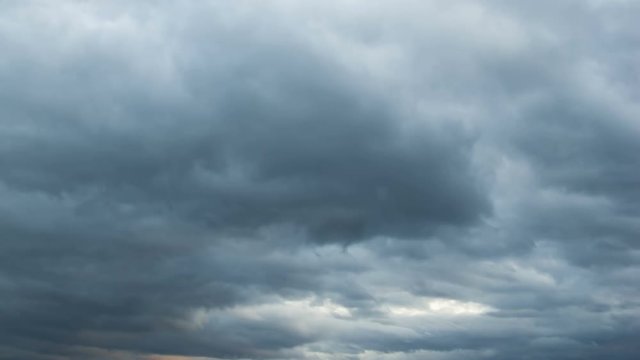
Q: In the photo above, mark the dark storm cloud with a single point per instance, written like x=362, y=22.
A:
x=279, y=140
x=304, y=180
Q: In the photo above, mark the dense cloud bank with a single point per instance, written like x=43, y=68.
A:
x=319, y=180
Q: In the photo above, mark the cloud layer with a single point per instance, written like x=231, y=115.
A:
x=319, y=180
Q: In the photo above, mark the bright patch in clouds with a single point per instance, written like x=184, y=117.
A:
x=441, y=307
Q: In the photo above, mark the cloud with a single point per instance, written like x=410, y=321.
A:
x=335, y=180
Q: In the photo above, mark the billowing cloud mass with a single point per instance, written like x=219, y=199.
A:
x=319, y=180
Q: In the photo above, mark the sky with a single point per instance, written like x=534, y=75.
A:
x=318, y=180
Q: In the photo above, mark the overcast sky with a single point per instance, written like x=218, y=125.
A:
x=335, y=179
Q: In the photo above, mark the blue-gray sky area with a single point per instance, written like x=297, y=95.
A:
x=319, y=180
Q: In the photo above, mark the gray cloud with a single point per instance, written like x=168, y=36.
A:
x=319, y=180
